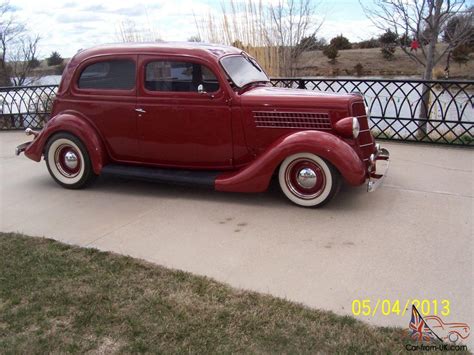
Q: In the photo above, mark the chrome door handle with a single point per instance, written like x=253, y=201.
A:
x=140, y=110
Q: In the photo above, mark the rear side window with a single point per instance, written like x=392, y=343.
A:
x=109, y=75
x=179, y=77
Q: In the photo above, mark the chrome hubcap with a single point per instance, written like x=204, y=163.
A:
x=70, y=160
x=306, y=178
x=67, y=160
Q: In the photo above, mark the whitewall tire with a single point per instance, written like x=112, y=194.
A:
x=308, y=180
x=68, y=161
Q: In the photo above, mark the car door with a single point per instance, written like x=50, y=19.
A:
x=179, y=126
x=105, y=94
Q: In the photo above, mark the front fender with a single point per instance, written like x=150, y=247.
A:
x=256, y=176
x=77, y=126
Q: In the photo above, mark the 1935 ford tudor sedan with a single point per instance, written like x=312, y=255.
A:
x=206, y=115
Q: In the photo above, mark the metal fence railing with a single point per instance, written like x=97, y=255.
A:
x=407, y=110
x=25, y=106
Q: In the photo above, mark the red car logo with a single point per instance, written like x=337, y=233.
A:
x=448, y=331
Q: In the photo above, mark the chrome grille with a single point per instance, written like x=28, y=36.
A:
x=297, y=120
x=365, y=140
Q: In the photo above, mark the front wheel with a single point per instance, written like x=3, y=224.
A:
x=68, y=161
x=308, y=180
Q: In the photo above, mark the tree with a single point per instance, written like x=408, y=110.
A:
x=132, y=31
x=388, y=43
x=293, y=20
x=425, y=20
x=460, y=23
x=18, y=49
x=404, y=40
x=332, y=53
x=369, y=43
x=238, y=44
x=321, y=43
x=340, y=42
x=388, y=37
x=22, y=61
x=388, y=52
x=35, y=63
x=10, y=31
x=272, y=32
x=460, y=54
x=359, y=69
x=54, y=59
x=312, y=43
x=194, y=39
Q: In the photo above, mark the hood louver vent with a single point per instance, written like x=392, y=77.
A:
x=294, y=120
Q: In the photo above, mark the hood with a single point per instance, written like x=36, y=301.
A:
x=265, y=96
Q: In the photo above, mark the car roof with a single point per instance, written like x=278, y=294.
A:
x=203, y=50
x=206, y=51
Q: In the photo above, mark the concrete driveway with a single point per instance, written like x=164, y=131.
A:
x=412, y=239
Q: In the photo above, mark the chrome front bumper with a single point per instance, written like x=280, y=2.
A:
x=377, y=172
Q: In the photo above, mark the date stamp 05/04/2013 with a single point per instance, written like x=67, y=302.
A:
x=387, y=307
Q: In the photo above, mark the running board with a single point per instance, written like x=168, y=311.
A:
x=174, y=176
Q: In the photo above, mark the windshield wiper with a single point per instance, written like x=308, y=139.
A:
x=254, y=64
x=251, y=61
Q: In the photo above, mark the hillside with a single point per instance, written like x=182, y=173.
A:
x=314, y=63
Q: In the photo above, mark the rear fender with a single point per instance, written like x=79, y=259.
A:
x=256, y=176
x=77, y=126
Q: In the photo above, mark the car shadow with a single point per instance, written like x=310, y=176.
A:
x=348, y=197
x=272, y=198
x=135, y=187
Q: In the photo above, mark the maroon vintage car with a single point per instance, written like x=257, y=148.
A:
x=202, y=114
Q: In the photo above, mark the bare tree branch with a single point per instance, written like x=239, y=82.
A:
x=130, y=31
x=423, y=20
x=18, y=49
x=272, y=33
x=21, y=61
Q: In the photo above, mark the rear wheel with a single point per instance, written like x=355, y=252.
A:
x=68, y=161
x=308, y=180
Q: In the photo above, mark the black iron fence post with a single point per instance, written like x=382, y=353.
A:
x=301, y=84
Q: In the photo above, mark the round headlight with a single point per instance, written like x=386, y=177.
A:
x=355, y=127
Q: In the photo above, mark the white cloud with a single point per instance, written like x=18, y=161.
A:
x=354, y=29
x=68, y=27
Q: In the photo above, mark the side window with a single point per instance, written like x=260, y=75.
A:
x=179, y=77
x=108, y=75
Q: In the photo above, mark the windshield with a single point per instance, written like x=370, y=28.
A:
x=243, y=70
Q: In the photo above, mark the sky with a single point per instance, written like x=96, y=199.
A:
x=70, y=25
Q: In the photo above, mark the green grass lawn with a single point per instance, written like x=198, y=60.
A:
x=59, y=298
